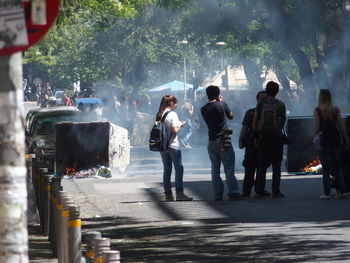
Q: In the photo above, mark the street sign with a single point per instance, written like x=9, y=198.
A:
x=24, y=22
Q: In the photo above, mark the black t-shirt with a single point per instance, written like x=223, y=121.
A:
x=213, y=115
x=249, y=118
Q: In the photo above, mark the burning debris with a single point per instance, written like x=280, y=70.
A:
x=314, y=167
x=95, y=172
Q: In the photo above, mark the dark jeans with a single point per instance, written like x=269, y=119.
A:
x=250, y=164
x=270, y=152
x=331, y=164
x=227, y=158
x=170, y=157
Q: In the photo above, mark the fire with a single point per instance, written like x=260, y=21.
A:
x=71, y=170
x=313, y=167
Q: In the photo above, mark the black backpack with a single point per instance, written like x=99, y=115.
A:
x=330, y=134
x=268, y=122
x=160, y=136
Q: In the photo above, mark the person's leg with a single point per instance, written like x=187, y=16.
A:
x=250, y=165
x=326, y=171
x=336, y=165
x=176, y=158
x=228, y=161
x=263, y=164
x=167, y=164
x=217, y=184
x=276, y=162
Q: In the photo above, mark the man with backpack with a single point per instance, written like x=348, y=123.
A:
x=268, y=125
x=246, y=141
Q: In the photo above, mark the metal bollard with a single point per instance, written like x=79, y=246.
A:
x=55, y=188
x=74, y=234
x=67, y=201
x=100, y=245
x=59, y=228
x=111, y=256
x=88, y=238
x=46, y=203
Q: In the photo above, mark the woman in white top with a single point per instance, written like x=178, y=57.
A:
x=173, y=154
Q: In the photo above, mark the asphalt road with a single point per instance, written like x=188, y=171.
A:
x=130, y=210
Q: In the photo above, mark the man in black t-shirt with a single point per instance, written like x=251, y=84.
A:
x=214, y=114
x=246, y=140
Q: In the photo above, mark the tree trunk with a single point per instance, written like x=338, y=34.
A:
x=253, y=73
x=306, y=75
x=13, y=192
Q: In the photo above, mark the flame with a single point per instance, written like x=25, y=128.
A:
x=309, y=167
x=72, y=169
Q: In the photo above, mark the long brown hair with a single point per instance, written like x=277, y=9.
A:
x=164, y=103
x=325, y=104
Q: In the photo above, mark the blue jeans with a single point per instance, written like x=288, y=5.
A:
x=227, y=157
x=331, y=164
x=169, y=157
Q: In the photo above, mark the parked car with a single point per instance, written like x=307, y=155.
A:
x=40, y=132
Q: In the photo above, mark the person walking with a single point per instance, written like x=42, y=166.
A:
x=220, y=149
x=332, y=139
x=172, y=155
x=246, y=141
x=268, y=125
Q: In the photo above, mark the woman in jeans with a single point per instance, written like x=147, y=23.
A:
x=173, y=154
x=327, y=115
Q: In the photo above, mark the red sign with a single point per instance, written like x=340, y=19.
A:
x=39, y=16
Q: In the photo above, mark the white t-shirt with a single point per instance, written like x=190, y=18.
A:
x=172, y=120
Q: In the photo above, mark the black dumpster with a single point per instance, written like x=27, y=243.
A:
x=84, y=145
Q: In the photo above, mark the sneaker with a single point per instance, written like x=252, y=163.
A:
x=266, y=193
x=233, y=196
x=341, y=196
x=325, y=197
x=279, y=195
x=169, y=197
x=183, y=197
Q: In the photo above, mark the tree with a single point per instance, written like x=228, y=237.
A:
x=13, y=202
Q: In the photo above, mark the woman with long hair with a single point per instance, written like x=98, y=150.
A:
x=327, y=118
x=173, y=154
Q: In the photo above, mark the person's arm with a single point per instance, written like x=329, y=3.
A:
x=228, y=112
x=242, y=134
x=176, y=124
x=284, y=116
x=256, y=117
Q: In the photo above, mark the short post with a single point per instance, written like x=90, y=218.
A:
x=100, y=245
x=66, y=201
x=46, y=203
x=74, y=234
x=88, y=238
x=59, y=227
x=55, y=187
x=111, y=256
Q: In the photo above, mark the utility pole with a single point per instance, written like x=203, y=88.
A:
x=184, y=44
x=13, y=191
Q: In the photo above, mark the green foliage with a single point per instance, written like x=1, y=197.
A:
x=132, y=44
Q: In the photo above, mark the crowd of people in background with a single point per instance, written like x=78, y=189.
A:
x=261, y=149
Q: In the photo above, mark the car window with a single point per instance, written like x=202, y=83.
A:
x=29, y=122
x=46, y=124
